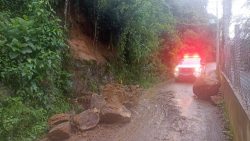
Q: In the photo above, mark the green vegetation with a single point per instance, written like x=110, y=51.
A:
x=32, y=50
x=189, y=11
x=135, y=29
x=228, y=131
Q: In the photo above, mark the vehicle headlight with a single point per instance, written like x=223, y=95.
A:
x=197, y=69
x=176, y=69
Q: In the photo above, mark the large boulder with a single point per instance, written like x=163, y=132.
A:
x=58, y=119
x=60, y=132
x=86, y=120
x=207, y=86
x=113, y=113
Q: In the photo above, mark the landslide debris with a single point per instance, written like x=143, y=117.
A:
x=60, y=132
x=110, y=106
x=113, y=113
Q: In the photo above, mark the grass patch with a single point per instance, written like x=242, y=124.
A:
x=227, y=126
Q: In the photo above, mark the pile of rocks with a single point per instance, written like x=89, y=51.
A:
x=109, y=107
x=63, y=126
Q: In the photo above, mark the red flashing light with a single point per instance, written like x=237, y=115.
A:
x=196, y=56
x=187, y=56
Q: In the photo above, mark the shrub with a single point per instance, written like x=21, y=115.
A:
x=31, y=57
x=14, y=7
x=134, y=28
x=20, y=122
x=32, y=49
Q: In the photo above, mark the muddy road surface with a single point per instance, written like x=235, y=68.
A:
x=167, y=112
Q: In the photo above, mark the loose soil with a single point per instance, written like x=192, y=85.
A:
x=82, y=45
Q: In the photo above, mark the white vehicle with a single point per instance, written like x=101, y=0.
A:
x=189, y=67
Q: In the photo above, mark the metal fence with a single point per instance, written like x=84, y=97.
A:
x=235, y=63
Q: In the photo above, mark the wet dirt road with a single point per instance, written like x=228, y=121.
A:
x=204, y=120
x=167, y=112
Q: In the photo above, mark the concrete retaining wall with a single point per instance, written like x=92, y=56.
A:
x=238, y=117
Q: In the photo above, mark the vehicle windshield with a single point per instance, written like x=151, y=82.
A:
x=190, y=61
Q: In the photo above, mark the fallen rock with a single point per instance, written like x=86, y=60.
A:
x=86, y=120
x=58, y=119
x=113, y=113
x=60, y=132
x=114, y=93
x=97, y=101
x=206, y=86
x=127, y=95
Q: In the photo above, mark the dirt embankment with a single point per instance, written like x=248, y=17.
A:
x=82, y=45
x=89, y=57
